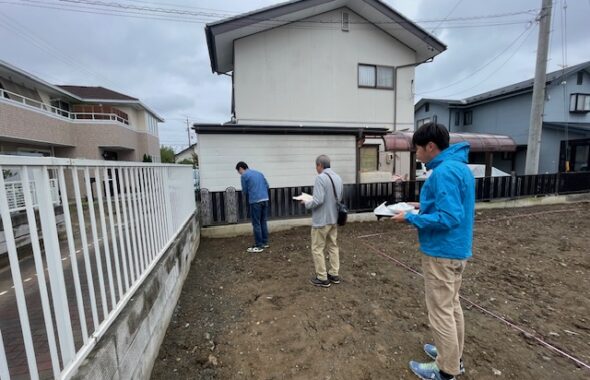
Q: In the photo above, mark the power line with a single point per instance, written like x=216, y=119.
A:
x=447, y=16
x=498, y=55
x=226, y=13
x=172, y=14
x=498, y=69
x=42, y=44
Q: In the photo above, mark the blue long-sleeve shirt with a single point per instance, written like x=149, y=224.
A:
x=447, y=206
x=254, y=186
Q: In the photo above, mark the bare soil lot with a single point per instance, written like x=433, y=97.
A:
x=255, y=316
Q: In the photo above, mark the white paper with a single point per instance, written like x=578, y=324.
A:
x=304, y=197
x=391, y=210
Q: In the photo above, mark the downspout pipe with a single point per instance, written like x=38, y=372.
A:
x=395, y=89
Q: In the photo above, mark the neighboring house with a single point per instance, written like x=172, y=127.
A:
x=186, y=154
x=322, y=65
x=41, y=119
x=565, y=140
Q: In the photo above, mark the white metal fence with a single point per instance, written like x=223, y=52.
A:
x=119, y=219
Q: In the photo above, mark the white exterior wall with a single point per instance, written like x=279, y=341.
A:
x=308, y=75
x=285, y=160
x=405, y=99
x=134, y=121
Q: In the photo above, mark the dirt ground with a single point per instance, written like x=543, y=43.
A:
x=255, y=316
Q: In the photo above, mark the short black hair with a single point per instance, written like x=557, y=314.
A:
x=432, y=132
x=241, y=165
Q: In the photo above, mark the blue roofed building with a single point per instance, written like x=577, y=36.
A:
x=565, y=142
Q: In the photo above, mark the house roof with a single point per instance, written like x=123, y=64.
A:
x=190, y=147
x=94, y=93
x=402, y=142
x=286, y=130
x=222, y=34
x=510, y=90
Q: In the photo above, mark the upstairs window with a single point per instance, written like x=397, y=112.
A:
x=580, y=79
x=373, y=76
x=580, y=103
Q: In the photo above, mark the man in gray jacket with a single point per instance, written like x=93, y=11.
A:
x=327, y=190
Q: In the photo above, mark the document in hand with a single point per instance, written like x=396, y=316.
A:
x=382, y=210
x=303, y=197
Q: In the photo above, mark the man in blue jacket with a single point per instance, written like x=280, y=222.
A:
x=255, y=187
x=445, y=231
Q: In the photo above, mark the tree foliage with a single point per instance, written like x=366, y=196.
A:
x=166, y=154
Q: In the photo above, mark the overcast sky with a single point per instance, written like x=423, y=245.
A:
x=165, y=63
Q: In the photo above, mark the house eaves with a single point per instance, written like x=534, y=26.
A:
x=222, y=34
x=233, y=129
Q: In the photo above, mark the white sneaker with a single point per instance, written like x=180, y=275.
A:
x=255, y=249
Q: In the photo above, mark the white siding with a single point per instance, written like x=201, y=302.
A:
x=308, y=75
x=285, y=160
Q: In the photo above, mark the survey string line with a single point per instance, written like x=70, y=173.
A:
x=488, y=312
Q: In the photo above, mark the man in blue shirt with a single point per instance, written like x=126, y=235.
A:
x=255, y=187
x=445, y=231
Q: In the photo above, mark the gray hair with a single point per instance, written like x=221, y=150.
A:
x=323, y=160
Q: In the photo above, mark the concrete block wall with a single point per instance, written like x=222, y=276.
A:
x=131, y=344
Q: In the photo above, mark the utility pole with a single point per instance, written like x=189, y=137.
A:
x=188, y=132
x=536, y=123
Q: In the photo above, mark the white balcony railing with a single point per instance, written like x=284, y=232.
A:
x=11, y=97
x=79, y=279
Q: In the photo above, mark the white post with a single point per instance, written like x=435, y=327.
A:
x=18, y=282
x=72, y=250
x=4, y=375
x=169, y=219
x=105, y=236
x=103, y=295
x=54, y=265
x=39, y=267
x=84, y=238
x=112, y=225
x=132, y=220
x=128, y=253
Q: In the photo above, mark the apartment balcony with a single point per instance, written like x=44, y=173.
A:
x=81, y=113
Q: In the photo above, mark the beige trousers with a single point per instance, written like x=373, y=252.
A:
x=325, y=238
x=442, y=280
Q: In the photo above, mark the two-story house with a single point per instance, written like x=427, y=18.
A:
x=565, y=139
x=312, y=77
x=41, y=119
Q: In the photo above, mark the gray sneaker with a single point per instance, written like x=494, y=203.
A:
x=432, y=352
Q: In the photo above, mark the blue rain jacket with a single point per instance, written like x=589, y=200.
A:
x=447, y=206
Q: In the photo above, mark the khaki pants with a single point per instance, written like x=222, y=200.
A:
x=442, y=280
x=325, y=238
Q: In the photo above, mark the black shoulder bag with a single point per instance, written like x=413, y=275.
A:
x=340, y=207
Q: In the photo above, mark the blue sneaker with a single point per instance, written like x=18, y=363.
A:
x=431, y=351
x=427, y=371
